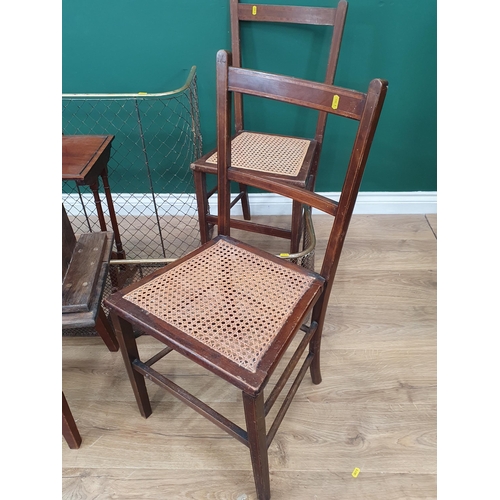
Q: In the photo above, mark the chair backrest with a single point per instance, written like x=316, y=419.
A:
x=320, y=16
x=350, y=104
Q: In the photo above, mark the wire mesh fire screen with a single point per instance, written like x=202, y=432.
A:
x=157, y=136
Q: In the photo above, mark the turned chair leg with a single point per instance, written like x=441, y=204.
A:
x=256, y=429
x=315, y=368
x=128, y=347
x=296, y=227
x=69, y=428
x=245, y=203
x=200, y=183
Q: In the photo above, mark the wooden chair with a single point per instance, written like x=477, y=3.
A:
x=234, y=309
x=290, y=159
x=85, y=263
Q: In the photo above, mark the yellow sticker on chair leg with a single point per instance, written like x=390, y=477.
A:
x=355, y=472
x=335, y=102
x=254, y=10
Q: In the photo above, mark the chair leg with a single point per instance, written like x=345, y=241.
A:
x=105, y=331
x=256, y=429
x=200, y=184
x=315, y=343
x=315, y=364
x=245, y=203
x=69, y=428
x=128, y=347
x=296, y=226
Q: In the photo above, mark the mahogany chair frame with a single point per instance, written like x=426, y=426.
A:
x=365, y=108
x=320, y=16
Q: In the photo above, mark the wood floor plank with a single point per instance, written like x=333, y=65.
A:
x=354, y=375
x=364, y=226
x=401, y=289
x=161, y=484
x=375, y=438
x=376, y=226
x=375, y=408
x=369, y=376
x=365, y=254
x=92, y=373
x=380, y=326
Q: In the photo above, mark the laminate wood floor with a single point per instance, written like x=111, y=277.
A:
x=375, y=409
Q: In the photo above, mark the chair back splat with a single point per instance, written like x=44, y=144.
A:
x=232, y=308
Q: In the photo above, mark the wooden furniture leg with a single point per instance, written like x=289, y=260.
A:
x=200, y=182
x=98, y=205
x=296, y=226
x=245, y=203
x=257, y=442
x=105, y=331
x=120, y=253
x=69, y=428
x=128, y=347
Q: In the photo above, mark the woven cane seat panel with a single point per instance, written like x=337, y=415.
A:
x=226, y=297
x=267, y=153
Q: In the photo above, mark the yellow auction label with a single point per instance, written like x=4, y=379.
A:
x=355, y=472
x=254, y=10
x=335, y=102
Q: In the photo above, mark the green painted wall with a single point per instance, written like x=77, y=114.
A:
x=150, y=45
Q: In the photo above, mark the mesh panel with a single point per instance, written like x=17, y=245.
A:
x=156, y=139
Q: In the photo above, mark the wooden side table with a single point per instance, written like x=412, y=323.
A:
x=85, y=159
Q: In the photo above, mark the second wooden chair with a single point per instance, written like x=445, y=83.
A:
x=292, y=160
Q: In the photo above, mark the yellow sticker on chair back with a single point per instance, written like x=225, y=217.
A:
x=254, y=10
x=335, y=102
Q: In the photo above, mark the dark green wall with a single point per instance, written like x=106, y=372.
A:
x=150, y=45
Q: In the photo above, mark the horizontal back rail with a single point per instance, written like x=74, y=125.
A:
x=335, y=100
x=320, y=16
x=294, y=192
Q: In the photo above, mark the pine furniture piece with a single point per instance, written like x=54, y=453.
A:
x=85, y=261
x=276, y=157
x=232, y=308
